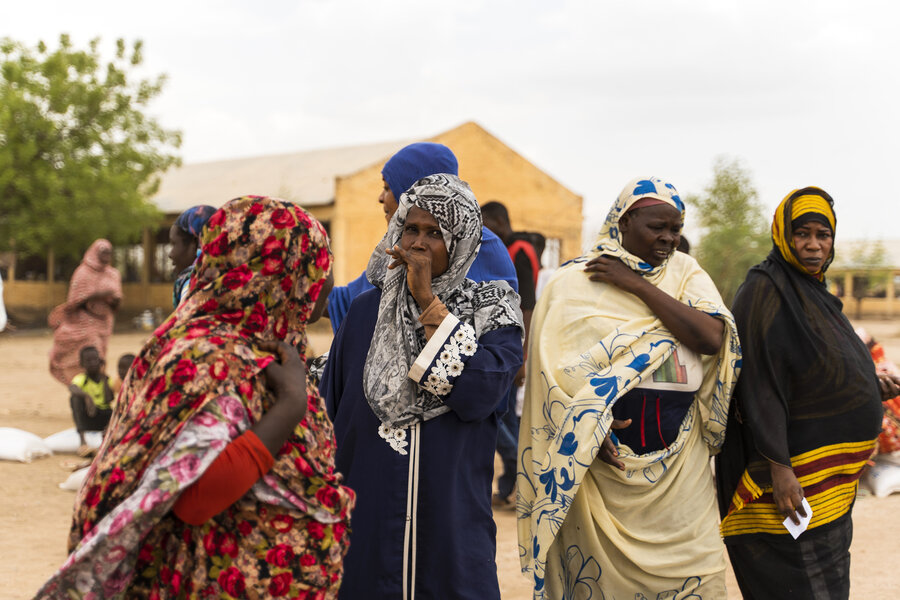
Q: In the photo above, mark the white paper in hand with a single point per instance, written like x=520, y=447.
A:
x=796, y=530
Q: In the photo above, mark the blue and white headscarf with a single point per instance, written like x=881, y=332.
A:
x=609, y=241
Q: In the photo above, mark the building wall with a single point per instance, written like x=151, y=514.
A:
x=841, y=283
x=871, y=308
x=358, y=224
x=29, y=302
x=536, y=202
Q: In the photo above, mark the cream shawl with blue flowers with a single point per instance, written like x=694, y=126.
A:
x=584, y=525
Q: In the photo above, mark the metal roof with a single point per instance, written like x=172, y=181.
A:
x=306, y=178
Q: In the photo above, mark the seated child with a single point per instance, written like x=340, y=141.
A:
x=122, y=370
x=90, y=396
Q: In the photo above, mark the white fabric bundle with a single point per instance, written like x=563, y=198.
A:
x=22, y=446
x=74, y=481
x=67, y=442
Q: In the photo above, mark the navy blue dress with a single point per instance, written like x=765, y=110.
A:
x=427, y=523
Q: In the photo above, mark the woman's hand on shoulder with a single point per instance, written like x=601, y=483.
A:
x=700, y=332
x=787, y=492
x=286, y=377
x=609, y=269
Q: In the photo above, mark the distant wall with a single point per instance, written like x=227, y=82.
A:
x=872, y=307
x=29, y=302
x=885, y=304
x=536, y=202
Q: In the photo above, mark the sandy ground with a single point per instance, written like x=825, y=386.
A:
x=35, y=514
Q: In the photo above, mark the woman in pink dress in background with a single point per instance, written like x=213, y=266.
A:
x=87, y=316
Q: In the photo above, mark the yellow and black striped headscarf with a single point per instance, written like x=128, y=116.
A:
x=796, y=204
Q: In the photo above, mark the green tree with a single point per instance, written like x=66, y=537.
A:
x=869, y=256
x=735, y=235
x=79, y=157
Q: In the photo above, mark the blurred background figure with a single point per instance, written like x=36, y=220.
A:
x=88, y=315
x=185, y=239
x=876, y=350
x=882, y=476
x=122, y=367
x=90, y=397
x=527, y=262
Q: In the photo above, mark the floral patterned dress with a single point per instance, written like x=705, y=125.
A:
x=196, y=386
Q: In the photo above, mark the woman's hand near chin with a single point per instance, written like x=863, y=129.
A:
x=418, y=273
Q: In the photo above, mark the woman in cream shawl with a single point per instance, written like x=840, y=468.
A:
x=631, y=337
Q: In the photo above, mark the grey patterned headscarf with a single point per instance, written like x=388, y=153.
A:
x=399, y=336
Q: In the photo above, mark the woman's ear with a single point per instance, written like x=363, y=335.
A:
x=624, y=222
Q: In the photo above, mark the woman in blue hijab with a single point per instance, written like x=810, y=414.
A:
x=184, y=237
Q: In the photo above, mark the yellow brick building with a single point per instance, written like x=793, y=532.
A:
x=536, y=201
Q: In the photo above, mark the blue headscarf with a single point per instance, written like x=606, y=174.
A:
x=416, y=161
x=193, y=219
x=191, y=222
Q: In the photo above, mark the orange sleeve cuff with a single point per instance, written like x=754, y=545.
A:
x=228, y=478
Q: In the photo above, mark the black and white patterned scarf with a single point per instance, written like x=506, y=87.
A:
x=399, y=336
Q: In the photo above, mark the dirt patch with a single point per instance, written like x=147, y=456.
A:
x=36, y=515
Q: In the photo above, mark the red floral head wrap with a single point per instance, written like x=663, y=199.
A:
x=262, y=266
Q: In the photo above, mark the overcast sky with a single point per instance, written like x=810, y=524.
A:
x=594, y=92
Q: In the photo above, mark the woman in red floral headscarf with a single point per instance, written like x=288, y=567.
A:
x=215, y=478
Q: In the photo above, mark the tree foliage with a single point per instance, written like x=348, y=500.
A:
x=735, y=234
x=79, y=158
x=870, y=281
x=869, y=255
